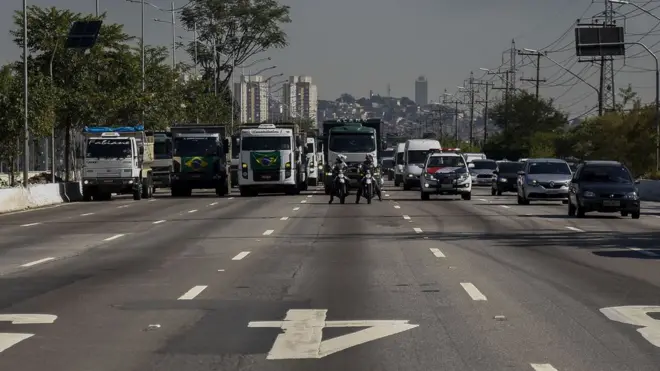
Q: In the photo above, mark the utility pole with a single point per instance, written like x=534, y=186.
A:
x=456, y=103
x=512, y=64
x=485, y=102
x=507, y=94
x=537, y=81
x=471, y=107
x=26, y=127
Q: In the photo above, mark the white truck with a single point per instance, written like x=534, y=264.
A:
x=117, y=160
x=272, y=159
x=162, y=165
x=312, y=162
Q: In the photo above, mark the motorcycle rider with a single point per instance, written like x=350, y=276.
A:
x=368, y=164
x=340, y=164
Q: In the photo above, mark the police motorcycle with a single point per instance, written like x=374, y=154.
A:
x=341, y=186
x=367, y=185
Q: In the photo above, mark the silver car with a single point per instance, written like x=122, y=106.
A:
x=544, y=179
x=482, y=171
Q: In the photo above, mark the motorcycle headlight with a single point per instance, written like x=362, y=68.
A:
x=368, y=181
x=368, y=176
x=631, y=196
x=589, y=194
x=342, y=180
x=320, y=167
x=503, y=180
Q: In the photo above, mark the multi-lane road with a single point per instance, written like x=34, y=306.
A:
x=291, y=283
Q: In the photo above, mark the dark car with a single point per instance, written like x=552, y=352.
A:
x=603, y=186
x=506, y=177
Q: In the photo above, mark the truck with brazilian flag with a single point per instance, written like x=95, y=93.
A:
x=271, y=159
x=199, y=159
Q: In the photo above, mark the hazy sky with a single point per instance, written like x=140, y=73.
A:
x=357, y=45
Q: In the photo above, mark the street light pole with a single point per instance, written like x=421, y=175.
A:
x=97, y=8
x=173, y=38
x=26, y=129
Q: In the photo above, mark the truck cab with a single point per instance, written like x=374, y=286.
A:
x=355, y=142
x=271, y=160
x=162, y=165
x=312, y=163
x=117, y=160
x=398, y=163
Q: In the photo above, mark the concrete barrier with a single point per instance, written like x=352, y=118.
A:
x=649, y=190
x=38, y=195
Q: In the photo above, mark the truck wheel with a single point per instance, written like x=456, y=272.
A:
x=87, y=195
x=406, y=186
x=466, y=196
x=245, y=192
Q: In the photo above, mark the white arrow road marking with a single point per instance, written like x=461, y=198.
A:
x=543, y=367
x=303, y=334
x=637, y=315
x=8, y=340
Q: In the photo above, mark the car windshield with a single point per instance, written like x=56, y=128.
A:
x=352, y=143
x=549, y=168
x=266, y=143
x=484, y=165
x=109, y=148
x=605, y=174
x=193, y=146
x=163, y=149
x=446, y=161
x=510, y=167
x=417, y=157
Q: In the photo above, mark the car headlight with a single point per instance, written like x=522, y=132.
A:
x=589, y=194
x=503, y=180
x=463, y=177
x=473, y=174
x=631, y=196
x=532, y=182
x=410, y=175
x=320, y=167
x=428, y=176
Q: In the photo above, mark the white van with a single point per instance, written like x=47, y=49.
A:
x=469, y=157
x=398, y=163
x=414, y=159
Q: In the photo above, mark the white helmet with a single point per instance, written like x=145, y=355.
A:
x=341, y=157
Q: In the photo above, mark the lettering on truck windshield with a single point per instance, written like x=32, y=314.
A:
x=356, y=143
x=109, y=148
x=195, y=146
x=266, y=144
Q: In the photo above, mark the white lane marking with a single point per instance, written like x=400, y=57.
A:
x=528, y=214
x=397, y=206
x=230, y=198
x=406, y=217
x=643, y=252
x=160, y=221
x=221, y=270
x=87, y=214
x=574, y=229
x=303, y=201
x=284, y=218
x=473, y=291
x=30, y=224
x=638, y=316
x=504, y=206
x=302, y=334
x=121, y=207
x=656, y=216
x=192, y=293
x=483, y=199
x=268, y=232
x=241, y=255
x=543, y=367
x=296, y=208
x=31, y=264
x=8, y=340
x=114, y=237
x=437, y=252
x=192, y=211
x=213, y=203
x=310, y=196
x=152, y=200
x=387, y=195
x=418, y=230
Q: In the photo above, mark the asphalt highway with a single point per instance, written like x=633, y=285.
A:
x=290, y=283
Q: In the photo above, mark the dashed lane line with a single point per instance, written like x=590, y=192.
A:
x=123, y=207
x=483, y=200
x=29, y=224
x=397, y=206
x=437, y=253
x=230, y=198
x=418, y=230
x=296, y=208
x=213, y=203
x=192, y=211
x=303, y=201
x=543, y=367
x=310, y=196
x=406, y=217
x=574, y=229
x=37, y=262
x=192, y=293
x=241, y=255
x=284, y=218
x=268, y=232
x=504, y=206
x=159, y=221
x=114, y=237
x=86, y=214
x=473, y=291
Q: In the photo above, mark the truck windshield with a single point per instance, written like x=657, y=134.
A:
x=352, y=143
x=310, y=147
x=191, y=146
x=266, y=143
x=163, y=149
x=109, y=148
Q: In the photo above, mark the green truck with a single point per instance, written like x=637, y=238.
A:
x=199, y=159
